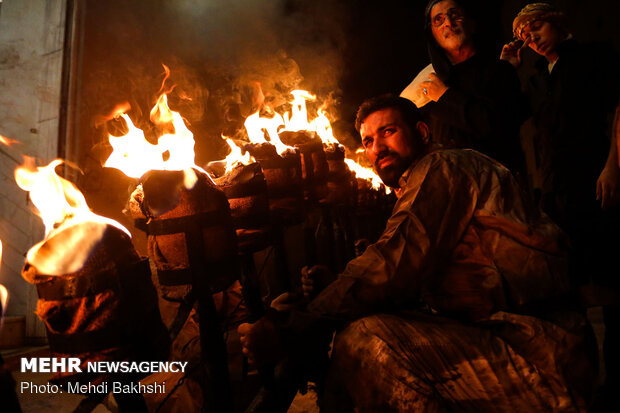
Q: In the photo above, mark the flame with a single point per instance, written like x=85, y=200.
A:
x=134, y=155
x=72, y=230
x=367, y=174
x=4, y=298
x=323, y=128
x=256, y=126
x=161, y=113
x=7, y=141
x=58, y=201
x=298, y=119
x=235, y=157
x=4, y=294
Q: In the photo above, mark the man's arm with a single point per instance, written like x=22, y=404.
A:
x=428, y=221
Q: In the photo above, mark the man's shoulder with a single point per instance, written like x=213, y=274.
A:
x=459, y=157
x=454, y=170
x=457, y=161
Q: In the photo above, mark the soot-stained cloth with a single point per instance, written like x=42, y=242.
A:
x=466, y=256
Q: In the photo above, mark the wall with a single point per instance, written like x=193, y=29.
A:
x=31, y=53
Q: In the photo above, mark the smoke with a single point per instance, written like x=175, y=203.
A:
x=281, y=43
x=217, y=51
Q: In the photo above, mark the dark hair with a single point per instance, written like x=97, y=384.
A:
x=410, y=113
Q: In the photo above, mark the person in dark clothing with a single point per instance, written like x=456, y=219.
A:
x=475, y=98
x=574, y=95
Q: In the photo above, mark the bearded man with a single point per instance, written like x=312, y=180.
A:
x=462, y=302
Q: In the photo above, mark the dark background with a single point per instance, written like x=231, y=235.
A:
x=346, y=50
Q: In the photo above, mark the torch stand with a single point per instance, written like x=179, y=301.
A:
x=215, y=382
x=192, y=241
x=110, y=308
x=284, y=188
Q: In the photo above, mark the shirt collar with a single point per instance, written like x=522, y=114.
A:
x=565, y=47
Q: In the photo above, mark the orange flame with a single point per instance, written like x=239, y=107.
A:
x=4, y=298
x=4, y=294
x=7, y=141
x=235, y=157
x=134, y=155
x=324, y=129
x=256, y=126
x=298, y=119
x=58, y=201
x=69, y=224
x=367, y=174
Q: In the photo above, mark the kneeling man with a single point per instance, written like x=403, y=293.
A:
x=462, y=304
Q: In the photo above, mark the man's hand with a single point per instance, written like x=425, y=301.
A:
x=286, y=302
x=313, y=280
x=608, y=187
x=260, y=342
x=434, y=87
x=511, y=52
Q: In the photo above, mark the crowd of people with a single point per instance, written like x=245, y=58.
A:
x=471, y=298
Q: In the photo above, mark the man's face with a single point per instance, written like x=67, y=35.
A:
x=450, y=28
x=544, y=37
x=390, y=144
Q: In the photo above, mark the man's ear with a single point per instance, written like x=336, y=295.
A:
x=424, y=131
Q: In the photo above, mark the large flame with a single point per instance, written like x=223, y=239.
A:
x=236, y=157
x=62, y=207
x=297, y=119
x=256, y=126
x=323, y=128
x=134, y=155
x=58, y=201
x=174, y=151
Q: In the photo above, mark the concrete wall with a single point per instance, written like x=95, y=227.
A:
x=31, y=53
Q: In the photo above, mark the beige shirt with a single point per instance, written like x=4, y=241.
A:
x=463, y=239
